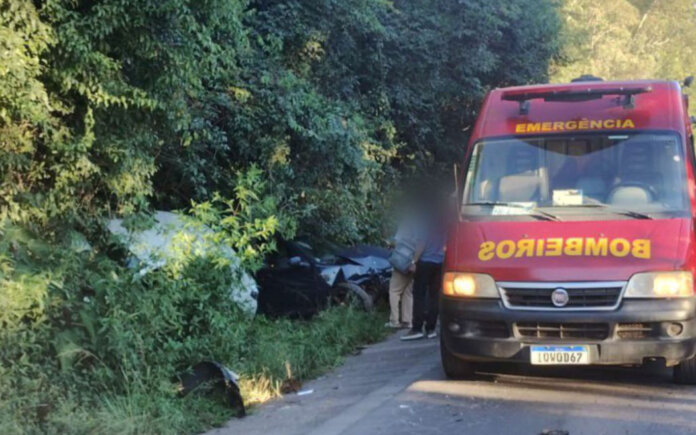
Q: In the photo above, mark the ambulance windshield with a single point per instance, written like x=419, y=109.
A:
x=572, y=177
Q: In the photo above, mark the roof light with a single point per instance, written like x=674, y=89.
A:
x=573, y=95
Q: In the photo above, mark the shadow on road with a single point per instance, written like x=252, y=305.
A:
x=578, y=397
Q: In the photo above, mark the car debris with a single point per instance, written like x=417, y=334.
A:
x=210, y=377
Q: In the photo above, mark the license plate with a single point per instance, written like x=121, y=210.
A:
x=561, y=355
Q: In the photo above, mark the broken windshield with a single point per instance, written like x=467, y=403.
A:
x=634, y=176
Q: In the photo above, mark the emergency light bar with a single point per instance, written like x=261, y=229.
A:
x=574, y=95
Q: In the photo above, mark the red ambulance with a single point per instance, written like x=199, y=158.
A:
x=575, y=240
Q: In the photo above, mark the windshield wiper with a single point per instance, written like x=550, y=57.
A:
x=534, y=212
x=629, y=213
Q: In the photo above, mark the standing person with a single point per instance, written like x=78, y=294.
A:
x=426, y=286
x=401, y=282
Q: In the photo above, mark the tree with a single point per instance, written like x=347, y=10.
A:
x=627, y=39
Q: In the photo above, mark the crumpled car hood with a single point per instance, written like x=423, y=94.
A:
x=154, y=247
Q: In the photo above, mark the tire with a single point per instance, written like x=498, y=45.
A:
x=453, y=366
x=357, y=296
x=685, y=372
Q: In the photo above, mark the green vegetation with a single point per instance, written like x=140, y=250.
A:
x=627, y=39
x=115, y=106
x=142, y=400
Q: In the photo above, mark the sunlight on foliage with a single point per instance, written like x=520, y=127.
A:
x=628, y=39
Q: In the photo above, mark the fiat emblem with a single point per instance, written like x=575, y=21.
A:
x=560, y=297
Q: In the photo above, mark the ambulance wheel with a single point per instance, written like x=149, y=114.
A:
x=453, y=366
x=685, y=372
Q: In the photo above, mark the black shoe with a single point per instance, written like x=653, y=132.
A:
x=431, y=334
x=412, y=335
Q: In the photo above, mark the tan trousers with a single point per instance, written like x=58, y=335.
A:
x=401, y=290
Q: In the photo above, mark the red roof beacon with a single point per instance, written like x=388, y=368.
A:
x=574, y=242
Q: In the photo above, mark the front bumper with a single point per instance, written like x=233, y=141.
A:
x=639, y=330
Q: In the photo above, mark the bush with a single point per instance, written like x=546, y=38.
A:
x=102, y=358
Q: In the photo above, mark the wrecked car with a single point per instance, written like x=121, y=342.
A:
x=296, y=283
x=156, y=246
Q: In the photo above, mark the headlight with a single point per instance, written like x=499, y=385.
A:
x=660, y=285
x=469, y=285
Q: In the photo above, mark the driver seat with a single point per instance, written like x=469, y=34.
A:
x=637, y=183
x=527, y=182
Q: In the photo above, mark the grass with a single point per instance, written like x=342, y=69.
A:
x=299, y=350
x=276, y=353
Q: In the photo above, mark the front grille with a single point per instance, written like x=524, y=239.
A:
x=548, y=330
x=581, y=297
x=636, y=331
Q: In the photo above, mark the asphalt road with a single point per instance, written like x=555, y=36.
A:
x=398, y=388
